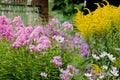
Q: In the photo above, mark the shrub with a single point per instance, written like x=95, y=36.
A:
x=49, y=52
x=101, y=29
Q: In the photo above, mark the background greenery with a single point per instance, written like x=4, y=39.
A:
x=64, y=9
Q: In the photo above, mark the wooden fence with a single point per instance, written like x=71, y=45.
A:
x=29, y=10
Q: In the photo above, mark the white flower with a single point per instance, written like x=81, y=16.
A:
x=103, y=54
x=59, y=39
x=114, y=71
x=101, y=75
x=117, y=49
x=88, y=74
x=61, y=70
x=95, y=57
x=89, y=78
x=43, y=74
x=110, y=56
x=85, y=2
x=105, y=67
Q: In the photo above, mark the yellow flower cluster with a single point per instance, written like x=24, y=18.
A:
x=96, y=68
x=98, y=21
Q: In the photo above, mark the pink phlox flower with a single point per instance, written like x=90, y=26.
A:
x=18, y=32
x=6, y=31
x=22, y=37
x=54, y=21
x=32, y=48
x=28, y=30
x=16, y=44
x=77, y=40
x=36, y=33
x=18, y=22
x=44, y=40
x=40, y=47
x=65, y=76
x=73, y=69
x=68, y=72
x=57, y=60
x=44, y=52
x=5, y=21
x=84, y=49
x=41, y=43
x=67, y=25
x=76, y=70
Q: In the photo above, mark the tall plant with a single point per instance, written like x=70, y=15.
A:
x=101, y=30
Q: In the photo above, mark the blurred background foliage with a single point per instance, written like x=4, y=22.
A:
x=64, y=9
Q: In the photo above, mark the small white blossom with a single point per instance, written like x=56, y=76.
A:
x=90, y=78
x=95, y=57
x=101, y=75
x=88, y=74
x=43, y=74
x=59, y=39
x=70, y=74
x=118, y=49
x=103, y=54
x=114, y=71
x=110, y=56
x=105, y=67
x=61, y=70
x=64, y=71
x=85, y=2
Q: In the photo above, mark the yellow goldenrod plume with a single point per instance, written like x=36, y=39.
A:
x=106, y=2
x=77, y=9
x=87, y=10
x=99, y=21
x=103, y=4
x=97, y=4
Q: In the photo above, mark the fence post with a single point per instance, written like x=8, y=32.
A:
x=44, y=7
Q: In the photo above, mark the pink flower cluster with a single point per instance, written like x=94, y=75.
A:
x=67, y=25
x=32, y=37
x=57, y=60
x=17, y=25
x=70, y=42
x=20, y=35
x=37, y=38
x=6, y=29
x=18, y=22
x=68, y=72
x=36, y=33
x=42, y=43
x=84, y=49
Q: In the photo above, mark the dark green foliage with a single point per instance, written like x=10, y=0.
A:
x=66, y=7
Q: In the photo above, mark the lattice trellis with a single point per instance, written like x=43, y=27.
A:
x=29, y=13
